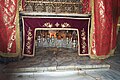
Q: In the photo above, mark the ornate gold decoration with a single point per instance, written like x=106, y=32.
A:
x=65, y=25
x=8, y=12
x=57, y=24
x=83, y=37
x=9, y=18
x=11, y=40
x=29, y=40
x=48, y=24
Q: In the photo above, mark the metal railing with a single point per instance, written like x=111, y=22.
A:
x=54, y=6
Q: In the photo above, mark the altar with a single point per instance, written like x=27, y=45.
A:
x=55, y=31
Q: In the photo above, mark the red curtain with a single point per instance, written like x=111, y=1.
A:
x=105, y=17
x=86, y=6
x=8, y=11
x=23, y=5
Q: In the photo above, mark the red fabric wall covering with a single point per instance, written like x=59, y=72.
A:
x=8, y=11
x=105, y=26
x=86, y=6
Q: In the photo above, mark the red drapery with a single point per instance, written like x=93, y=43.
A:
x=105, y=16
x=86, y=6
x=8, y=13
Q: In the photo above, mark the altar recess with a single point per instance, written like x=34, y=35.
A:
x=24, y=24
x=70, y=32
x=103, y=23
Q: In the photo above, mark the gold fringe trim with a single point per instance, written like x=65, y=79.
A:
x=9, y=54
x=104, y=56
x=118, y=25
x=92, y=27
x=20, y=5
x=18, y=46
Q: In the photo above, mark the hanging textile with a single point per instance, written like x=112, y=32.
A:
x=9, y=30
x=22, y=5
x=86, y=6
x=104, y=27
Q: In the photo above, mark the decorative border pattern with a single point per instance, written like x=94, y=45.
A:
x=29, y=40
x=11, y=40
x=57, y=24
x=83, y=43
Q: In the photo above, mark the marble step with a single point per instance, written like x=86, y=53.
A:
x=54, y=68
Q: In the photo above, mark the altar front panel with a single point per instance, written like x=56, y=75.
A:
x=33, y=23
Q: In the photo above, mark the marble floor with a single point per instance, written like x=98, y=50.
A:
x=52, y=59
x=59, y=64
